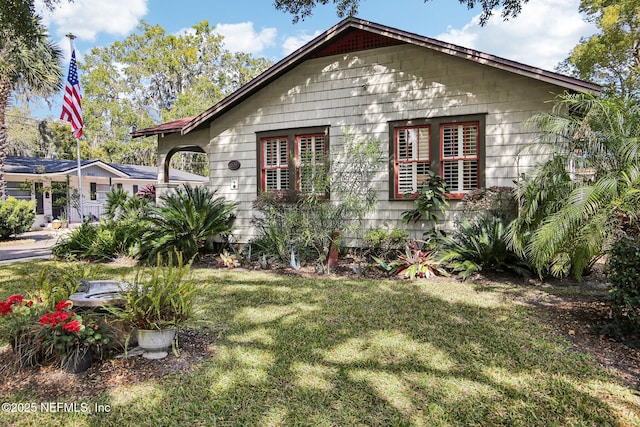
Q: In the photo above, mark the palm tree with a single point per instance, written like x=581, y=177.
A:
x=30, y=65
x=567, y=218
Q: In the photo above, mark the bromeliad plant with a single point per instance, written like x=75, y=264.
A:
x=417, y=262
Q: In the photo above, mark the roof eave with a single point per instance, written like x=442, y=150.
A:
x=304, y=52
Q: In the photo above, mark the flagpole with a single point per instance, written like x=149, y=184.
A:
x=71, y=37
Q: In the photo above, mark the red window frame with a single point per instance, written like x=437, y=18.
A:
x=466, y=157
x=415, y=162
x=278, y=140
x=314, y=157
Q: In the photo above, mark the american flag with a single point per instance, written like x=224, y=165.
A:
x=71, y=105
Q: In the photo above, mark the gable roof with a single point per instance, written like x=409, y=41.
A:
x=41, y=166
x=353, y=34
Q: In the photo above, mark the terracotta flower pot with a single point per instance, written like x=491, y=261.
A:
x=155, y=343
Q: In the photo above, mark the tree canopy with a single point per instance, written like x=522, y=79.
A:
x=17, y=18
x=612, y=56
x=152, y=77
x=30, y=65
x=300, y=9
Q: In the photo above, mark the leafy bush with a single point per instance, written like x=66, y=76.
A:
x=381, y=242
x=56, y=282
x=120, y=205
x=479, y=245
x=623, y=270
x=102, y=242
x=16, y=216
x=499, y=202
x=185, y=221
x=430, y=199
x=311, y=224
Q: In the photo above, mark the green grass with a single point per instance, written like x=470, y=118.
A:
x=338, y=352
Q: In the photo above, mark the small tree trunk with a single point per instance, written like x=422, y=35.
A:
x=4, y=99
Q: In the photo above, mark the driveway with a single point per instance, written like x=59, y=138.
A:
x=30, y=245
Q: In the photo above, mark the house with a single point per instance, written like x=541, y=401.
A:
x=47, y=181
x=432, y=105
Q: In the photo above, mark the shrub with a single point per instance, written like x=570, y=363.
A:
x=102, y=242
x=430, y=199
x=56, y=282
x=623, y=270
x=381, y=242
x=163, y=297
x=499, y=202
x=312, y=224
x=16, y=217
x=479, y=245
x=185, y=221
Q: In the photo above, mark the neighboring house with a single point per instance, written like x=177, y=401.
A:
x=47, y=181
x=432, y=105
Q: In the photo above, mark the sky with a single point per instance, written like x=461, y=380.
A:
x=542, y=35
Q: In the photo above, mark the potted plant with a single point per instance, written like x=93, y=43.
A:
x=64, y=219
x=160, y=301
x=72, y=337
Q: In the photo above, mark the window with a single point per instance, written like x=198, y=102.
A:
x=135, y=189
x=293, y=160
x=93, y=190
x=19, y=190
x=448, y=146
x=412, y=154
x=459, y=158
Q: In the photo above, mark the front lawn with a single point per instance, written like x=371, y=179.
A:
x=329, y=351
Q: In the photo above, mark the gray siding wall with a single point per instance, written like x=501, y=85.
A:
x=361, y=92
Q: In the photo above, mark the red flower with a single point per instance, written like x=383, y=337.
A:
x=15, y=299
x=60, y=316
x=5, y=308
x=54, y=318
x=29, y=303
x=45, y=319
x=62, y=305
x=74, y=326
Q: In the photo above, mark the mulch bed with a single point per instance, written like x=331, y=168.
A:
x=576, y=318
x=49, y=382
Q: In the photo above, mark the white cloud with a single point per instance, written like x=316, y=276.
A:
x=542, y=35
x=87, y=18
x=294, y=42
x=242, y=37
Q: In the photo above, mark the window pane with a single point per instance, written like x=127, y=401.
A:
x=470, y=175
x=460, y=156
x=275, y=160
x=311, y=170
x=412, y=158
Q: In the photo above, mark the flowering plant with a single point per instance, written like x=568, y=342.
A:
x=18, y=326
x=64, y=330
x=17, y=314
